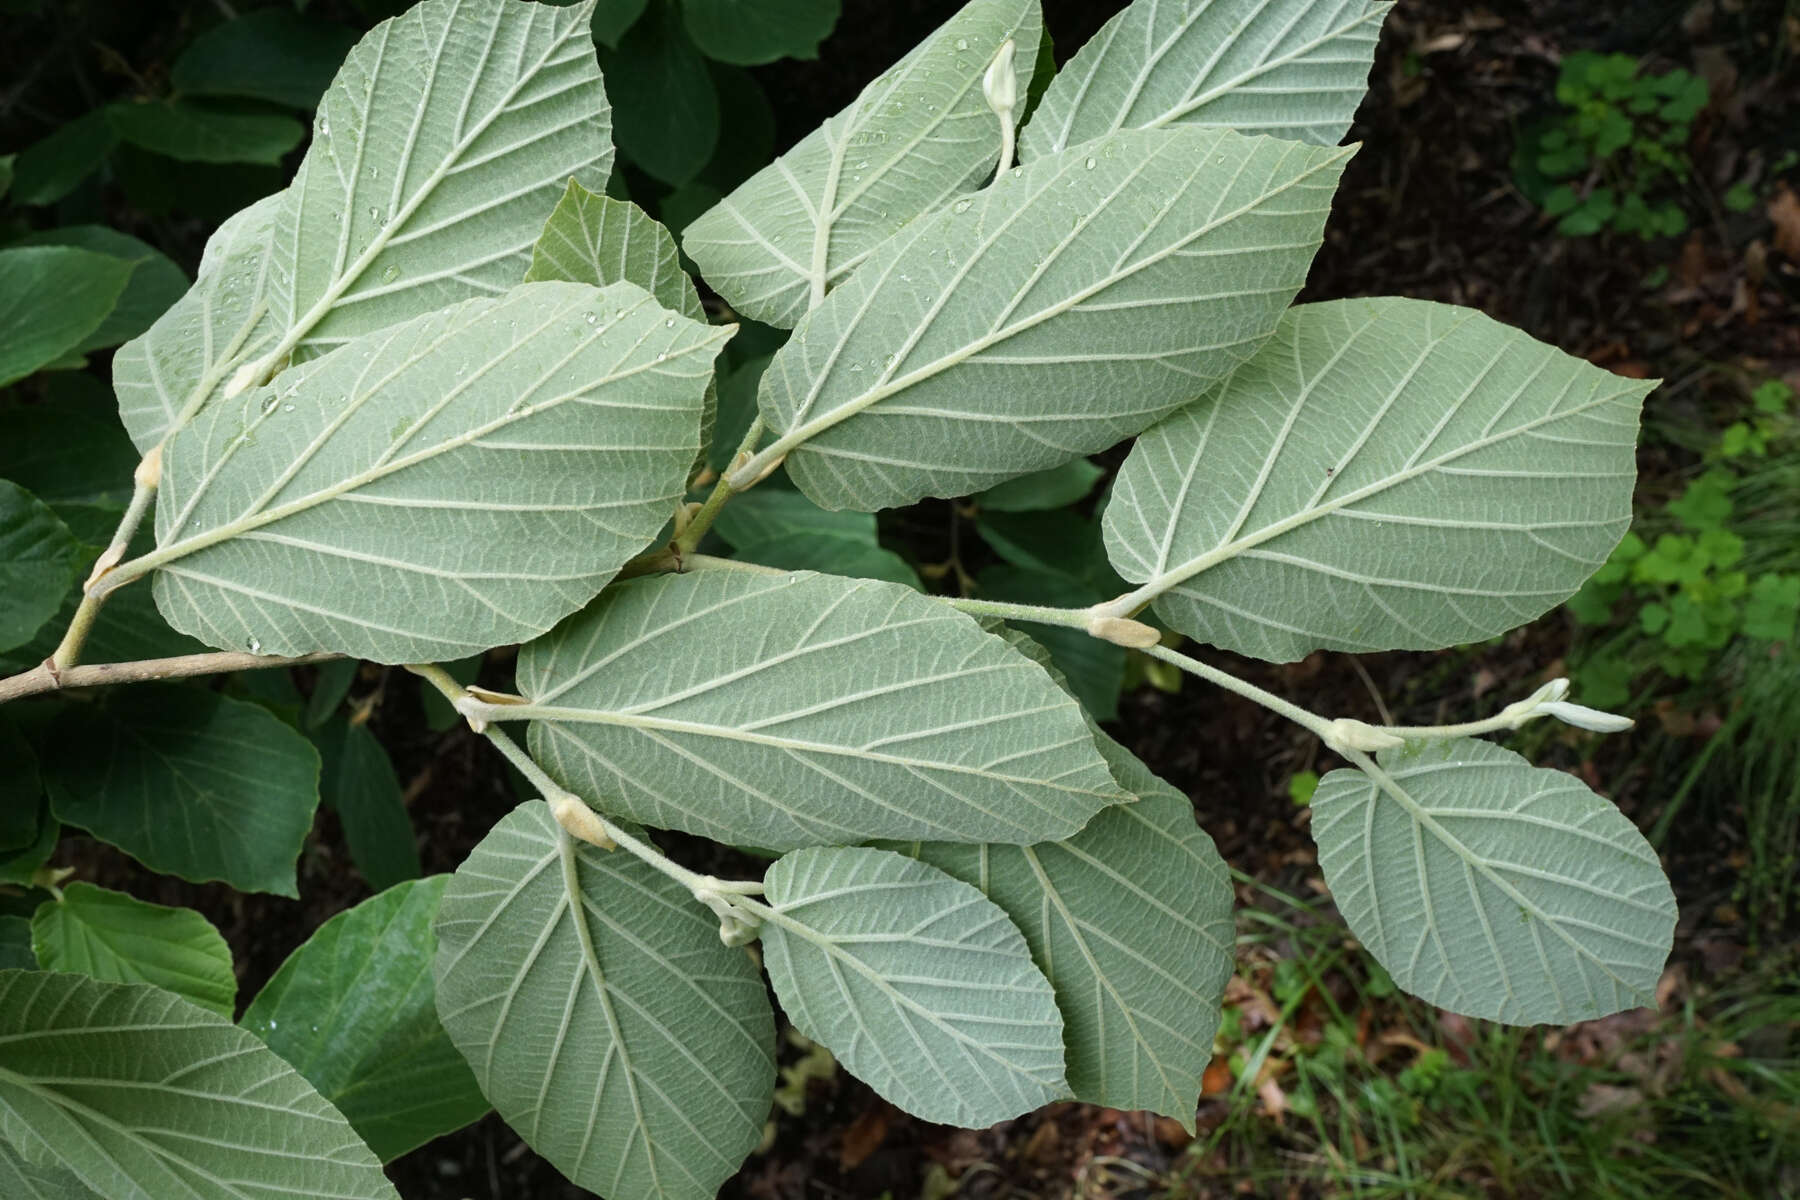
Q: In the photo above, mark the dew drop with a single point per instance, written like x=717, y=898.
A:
x=662, y=358
x=669, y=324
x=391, y=273
x=256, y=648
x=961, y=206
x=856, y=368
x=1089, y=164
x=269, y=402
x=519, y=406
x=962, y=43
x=287, y=408
x=271, y=1020
x=590, y=318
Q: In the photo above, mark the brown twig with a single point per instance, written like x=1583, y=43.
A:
x=44, y=679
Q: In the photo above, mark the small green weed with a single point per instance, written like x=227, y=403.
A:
x=1716, y=564
x=1615, y=155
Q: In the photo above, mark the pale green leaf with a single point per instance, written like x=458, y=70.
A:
x=1292, y=69
x=1072, y=304
x=918, y=135
x=51, y=299
x=1131, y=921
x=144, y=1096
x=666, y=118
x=753, y=32
x=191, y=349
x=120, y=939
x=458, y=482
x=188, y=782
x=437, y=152
x=353, y=1010
x=1494, y=888
x=783, y=529
x=194, y=133
x=39, y=560
x=601, y=1014
x=592, y=238
x=791, y=710
x=1397, y=474
x=919, y=984
x=19, y=1180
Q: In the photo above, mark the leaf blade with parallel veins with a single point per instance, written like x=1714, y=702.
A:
x=1384, y=515
x=1075, y=302
x=1525, y=897
x=558, y=962
x=1292, y=69
x=801, y=225
x=918, y=983
x=488, y=107
x=535, y=442
x=860, y=709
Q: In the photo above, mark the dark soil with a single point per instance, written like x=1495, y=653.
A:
x=1427, y=209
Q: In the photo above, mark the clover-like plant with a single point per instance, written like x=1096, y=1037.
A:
x=443, y=395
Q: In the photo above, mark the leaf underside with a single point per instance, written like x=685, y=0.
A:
x=602, y=1016
x=1495, y=889
x=800, y=709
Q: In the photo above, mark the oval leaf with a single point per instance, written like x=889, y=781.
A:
x=187, y=782
x=1494, y=888
x=1078, y=300
x=917, y=982
x=117, y=938
x=1402, y=474
x=51, y=299
x=791, y=710
x=1292, y=69
x=919, y=134
x=143, y=1096
x=602, y=1015
x=354, y=1011
x=1131, y=921
x=438, y=150
x=667, y=120
x=458, y=482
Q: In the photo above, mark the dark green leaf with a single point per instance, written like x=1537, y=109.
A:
x=746, y=128
x=271, y=54
x=39, y=560
x=354, y=1011
x=1053, y=488
x=752, y=32
x=330, y=685
x=666, y=118
x=118, y=938
x=51, y=299
x=155, y=283
x=15, y=954
x=193, y=133
x=73, y=449
x=1095, y=669
x=21, y=790
x=18, y=867
x=188, y=782
x=358, y=781
x=613, y=17
x=46, y=171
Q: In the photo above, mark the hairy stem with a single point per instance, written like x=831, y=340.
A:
x=43, y=679
x=701, y=886
x=689, y=538
x=1310, y=721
